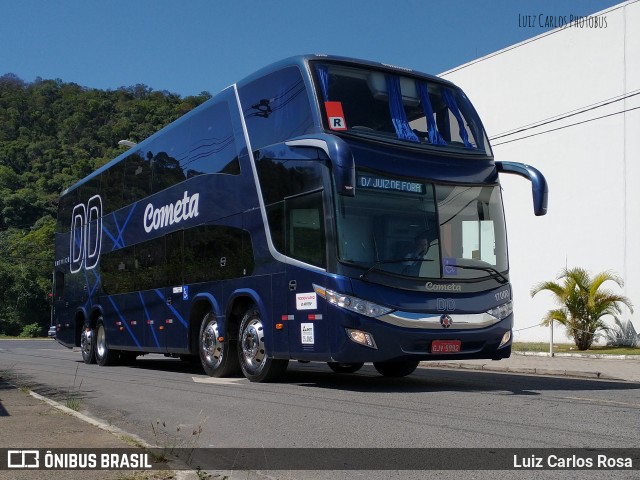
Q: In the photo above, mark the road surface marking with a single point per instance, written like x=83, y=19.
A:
x=610, y=402
x=220, y=381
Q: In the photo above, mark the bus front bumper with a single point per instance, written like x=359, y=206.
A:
x=372, y=340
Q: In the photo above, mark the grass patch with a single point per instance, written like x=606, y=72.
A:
x=74, y=395
x=131, y=441
x=72, y=403
x=570, y=348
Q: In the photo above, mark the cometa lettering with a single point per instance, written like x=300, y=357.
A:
x=183, y=209
x=449, y=287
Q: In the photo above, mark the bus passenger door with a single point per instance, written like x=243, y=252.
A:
x=306, y=319
x=305, y=244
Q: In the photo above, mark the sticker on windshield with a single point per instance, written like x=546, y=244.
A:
x=449, y=266
x=335, y=115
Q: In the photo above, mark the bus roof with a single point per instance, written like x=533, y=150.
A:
x=301, y=61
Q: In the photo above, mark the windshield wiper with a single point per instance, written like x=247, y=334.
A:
x=399, y=260
x=496, y=274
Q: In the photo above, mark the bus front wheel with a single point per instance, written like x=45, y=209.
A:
x=217, y=355
x=396, y=369
x=256, y=365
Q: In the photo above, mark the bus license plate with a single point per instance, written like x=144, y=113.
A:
x=445, y=346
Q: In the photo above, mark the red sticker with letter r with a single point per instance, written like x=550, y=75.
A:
x=335, y=115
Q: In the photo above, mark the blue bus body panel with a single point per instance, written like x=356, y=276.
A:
x=299, y=323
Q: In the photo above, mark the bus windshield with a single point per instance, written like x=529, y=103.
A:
x=393, y=107
x=413, y=228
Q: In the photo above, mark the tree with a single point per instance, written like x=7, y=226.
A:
x=52, y=134
x=583, y=303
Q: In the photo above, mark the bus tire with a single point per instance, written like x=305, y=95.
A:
x=256, y=365
x=218, y=359
x=396, y=369
x=104, y=355
x=345, y=367
x=88, y=345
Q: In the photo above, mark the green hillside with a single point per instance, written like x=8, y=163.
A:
x=52, y=134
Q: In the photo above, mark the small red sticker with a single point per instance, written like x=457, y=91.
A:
x=335, y=115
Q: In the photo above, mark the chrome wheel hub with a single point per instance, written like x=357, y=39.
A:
x=85, y=340
x=211, y=349
x=101, y=346
x=252, y=343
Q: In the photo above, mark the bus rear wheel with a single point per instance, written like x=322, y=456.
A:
x=104, y=355
x=218, y=358
x=256, y=365
x=88, y=345
x=345, y=367
x=396, y=369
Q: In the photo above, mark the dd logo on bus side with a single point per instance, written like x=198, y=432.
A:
x=86, y=234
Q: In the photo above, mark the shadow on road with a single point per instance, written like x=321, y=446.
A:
x=318, y=375
x=449, y=380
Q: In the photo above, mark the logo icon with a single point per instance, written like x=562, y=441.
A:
x=446, y=321
x=23, y=459
x=85, y=240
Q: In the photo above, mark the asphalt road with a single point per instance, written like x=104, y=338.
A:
x=173, y=404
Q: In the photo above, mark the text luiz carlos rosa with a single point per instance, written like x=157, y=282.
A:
x=574, y=461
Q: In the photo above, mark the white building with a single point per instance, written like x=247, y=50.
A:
x=568, y=103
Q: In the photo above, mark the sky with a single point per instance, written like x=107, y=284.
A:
x=190, y=46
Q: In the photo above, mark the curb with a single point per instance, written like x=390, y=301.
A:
x=605, y=356
x=179, y=474
x=522, y=370
x=92, y=421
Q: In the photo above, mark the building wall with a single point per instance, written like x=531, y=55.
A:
x=593, y=168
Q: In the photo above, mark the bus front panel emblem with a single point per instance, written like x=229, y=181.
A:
x=446, y=321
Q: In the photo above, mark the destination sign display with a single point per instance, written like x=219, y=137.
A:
x=381, y=183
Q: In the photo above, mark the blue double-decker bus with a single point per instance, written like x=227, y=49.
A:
x=323, y=209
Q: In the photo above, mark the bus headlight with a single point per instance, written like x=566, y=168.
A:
x=354, y=304
x=505, y=338
x=502, y=311
x=363, y=338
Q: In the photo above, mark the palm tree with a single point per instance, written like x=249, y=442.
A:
x=583, y=303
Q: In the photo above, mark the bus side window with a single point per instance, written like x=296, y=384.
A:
x=166, y=154
x=137, y=179
x=173, y=247
x=212, y=147
x=213, y=252
x=117, y=270
x=305, y=239
x=112, y=187
x=276, y=107
x=149, y=264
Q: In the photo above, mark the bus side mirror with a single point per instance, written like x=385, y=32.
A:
x=340, y=156
x=539, y=188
